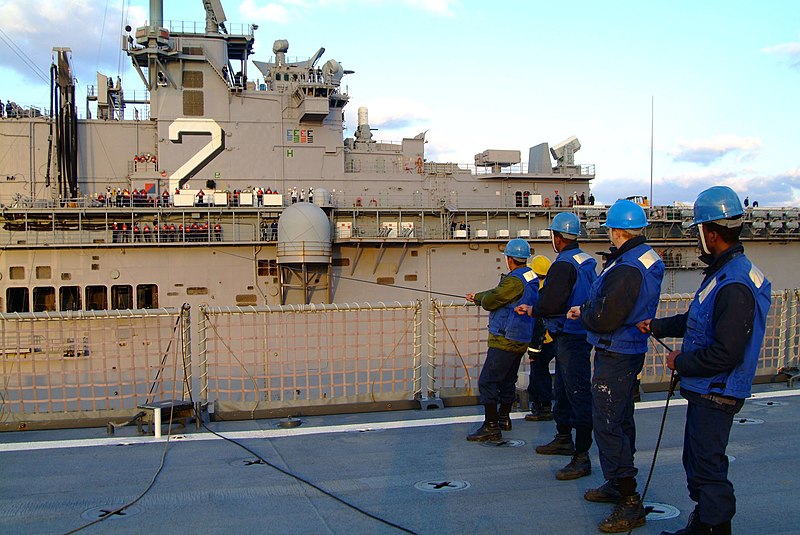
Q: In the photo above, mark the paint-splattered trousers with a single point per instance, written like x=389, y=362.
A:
x=612, y=411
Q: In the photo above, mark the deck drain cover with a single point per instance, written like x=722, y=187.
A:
x=660, y=511
x=767, y=403
x=97, y=512
x=748, y=421
x=289, y=423
x=442, y=485
x=513, y=443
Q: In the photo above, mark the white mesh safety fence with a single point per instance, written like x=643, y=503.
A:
x=458, y=343
x=102, y=364
x=259, y=358
x=90, y=364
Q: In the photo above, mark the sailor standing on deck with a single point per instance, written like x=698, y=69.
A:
x=509, y=336
x=568, y=284
x=722, y=334
x=625, y=293
x=541, y=352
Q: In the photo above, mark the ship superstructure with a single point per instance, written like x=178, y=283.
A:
x=177, y=194
x=230, y=204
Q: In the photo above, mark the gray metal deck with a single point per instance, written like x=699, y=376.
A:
x=57, y=481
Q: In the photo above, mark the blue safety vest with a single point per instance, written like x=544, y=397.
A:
x=585, y=267
x=507, y=323
x=700, y=328
x=627, y=338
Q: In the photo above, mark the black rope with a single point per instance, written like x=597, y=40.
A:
x=286, y=472
x=673, y=381
x=399, y=287
x=109, y=514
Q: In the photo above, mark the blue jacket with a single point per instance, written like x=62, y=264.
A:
x=627, y=339
x=585, y=267
x=700, y=328
x=507, y=323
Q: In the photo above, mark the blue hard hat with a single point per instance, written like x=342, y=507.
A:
x=625, y=214
x=566, y=223
x=715, y=203
x=517, y=248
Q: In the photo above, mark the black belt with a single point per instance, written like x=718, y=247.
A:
x=720, y=399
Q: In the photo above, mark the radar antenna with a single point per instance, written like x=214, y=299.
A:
x=215, y=16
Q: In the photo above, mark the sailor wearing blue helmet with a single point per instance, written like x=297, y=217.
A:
x=509, y=336
x=568, y=283
x=625, y=293
x=722, y=335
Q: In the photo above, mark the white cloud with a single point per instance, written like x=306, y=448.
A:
x=400, y=117
x=707, y=151
x=439, y=7
x=698, y=178
x=270, y=12
x=284, y=11
x=791, y=50
x=37, y=27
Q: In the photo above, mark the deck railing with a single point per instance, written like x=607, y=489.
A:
x=88, y=367
x=74, y=369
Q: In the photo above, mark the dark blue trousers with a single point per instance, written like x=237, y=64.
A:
x=705, y=439
x=498, y=376
x=612, y=411
x=573, y=392
x=540, y=385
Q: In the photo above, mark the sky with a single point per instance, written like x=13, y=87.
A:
x=716, y=82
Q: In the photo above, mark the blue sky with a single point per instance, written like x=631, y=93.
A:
x=723, y=76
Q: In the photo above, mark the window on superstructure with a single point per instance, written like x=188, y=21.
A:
x=121, y=297
x=17, y=300
x=44, y=299
x=267, y=268
x=16, y=272
x=96, y=298
x=43, y=272
x=193, y=103
x=69, y=297
x=147, y=296
x=193, y=79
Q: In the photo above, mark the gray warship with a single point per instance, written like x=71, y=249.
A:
x=215, y=250
x=221, y=199
x=166, y=200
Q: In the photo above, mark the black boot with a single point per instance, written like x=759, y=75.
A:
x=607, y=493
x=722, y=529
x=540, y=412
x=504, y=416
x=578, y=467
x=561, y=445
x=628, y=514
x=488, y=431
x=695, y=527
